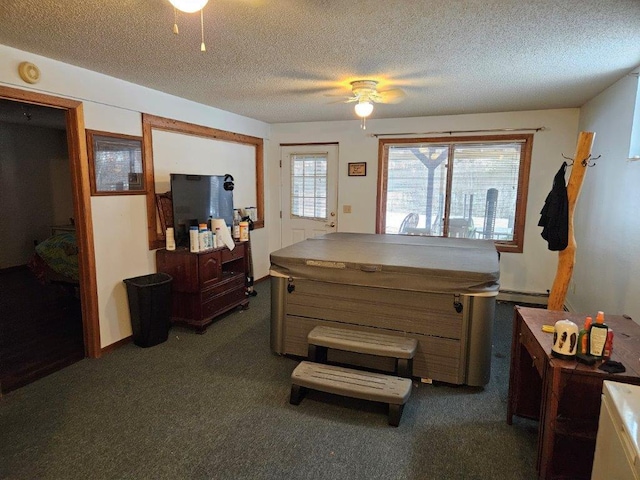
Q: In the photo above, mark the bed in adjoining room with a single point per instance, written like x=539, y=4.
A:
x=55, y=260
x=440, y=291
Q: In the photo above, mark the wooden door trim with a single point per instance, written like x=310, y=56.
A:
x=82, y=206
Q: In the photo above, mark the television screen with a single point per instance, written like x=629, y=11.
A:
x=195, y=199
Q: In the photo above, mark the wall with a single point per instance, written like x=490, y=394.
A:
x=531, y=271
x=35, y=188
x=607, y=225
x=120, y=225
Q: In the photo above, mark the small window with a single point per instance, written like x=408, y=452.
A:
x=309, y=186
x=116, y=164
x=466, y=187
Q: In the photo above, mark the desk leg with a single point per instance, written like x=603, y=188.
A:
x=548, y=415
x=514, y=377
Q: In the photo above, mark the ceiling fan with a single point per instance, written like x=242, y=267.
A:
x=365, y=93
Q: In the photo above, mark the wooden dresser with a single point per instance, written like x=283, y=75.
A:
x=205, y=284
x=564, y=395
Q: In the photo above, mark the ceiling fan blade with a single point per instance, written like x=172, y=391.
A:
x=394, y=95
x=340, y=101
x=343, y=98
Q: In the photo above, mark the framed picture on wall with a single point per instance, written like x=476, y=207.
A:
x=116, y=164
x=358, y=169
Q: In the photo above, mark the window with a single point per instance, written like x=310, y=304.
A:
x=116, y=164
x=469, y=187
x=309, y=186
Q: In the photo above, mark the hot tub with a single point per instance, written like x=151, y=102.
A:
x=440, y=291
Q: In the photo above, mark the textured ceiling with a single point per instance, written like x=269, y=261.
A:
x=280, y=60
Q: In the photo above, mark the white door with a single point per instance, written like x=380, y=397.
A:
x=309, y=191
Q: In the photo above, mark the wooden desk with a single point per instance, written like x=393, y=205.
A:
x=564, y=395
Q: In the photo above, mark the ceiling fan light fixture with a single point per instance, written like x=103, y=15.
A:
x=364, y=108
x=189, y=6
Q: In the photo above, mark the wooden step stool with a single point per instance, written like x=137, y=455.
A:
x=402, y=349
x=351, y=383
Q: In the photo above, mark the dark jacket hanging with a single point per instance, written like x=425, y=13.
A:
x=554, y=217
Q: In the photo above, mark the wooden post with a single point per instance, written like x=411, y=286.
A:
x=566, y=258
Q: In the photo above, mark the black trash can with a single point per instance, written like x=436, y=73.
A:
x=150, y=308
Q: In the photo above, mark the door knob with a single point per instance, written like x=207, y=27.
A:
x=332, y=224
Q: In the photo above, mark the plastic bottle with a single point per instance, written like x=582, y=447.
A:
x=244, y=231
x=219, y=242
x=598, y=336
x=608, y=345
x=170, y=239
x=194, y=243
x=236, y=225
x=202, y=237
x=583, y=337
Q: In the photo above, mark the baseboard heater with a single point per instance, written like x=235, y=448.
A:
x=535, y=298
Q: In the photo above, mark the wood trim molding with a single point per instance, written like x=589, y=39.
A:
x=82, y=206
x=381, y=197
x=92, y=162
x=517, y=245
x=118, y=344
x=151, y=122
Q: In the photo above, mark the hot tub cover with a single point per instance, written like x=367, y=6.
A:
x=427, y=264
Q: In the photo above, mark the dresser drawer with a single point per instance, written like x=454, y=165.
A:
x=223, y=302
x=230, y=255
x=209, y=268
x=232, y=283
x=529, y=342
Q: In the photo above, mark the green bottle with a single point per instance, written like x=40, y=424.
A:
x=583, y=337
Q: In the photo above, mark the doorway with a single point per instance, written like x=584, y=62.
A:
x=81, y=300
x=309, y=186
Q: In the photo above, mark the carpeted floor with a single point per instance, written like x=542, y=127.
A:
x=215, y=406
x=40, y=328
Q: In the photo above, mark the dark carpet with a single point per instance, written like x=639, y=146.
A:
x=40, y=328
x=215, y=406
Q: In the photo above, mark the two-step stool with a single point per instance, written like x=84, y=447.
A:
x=391, y=389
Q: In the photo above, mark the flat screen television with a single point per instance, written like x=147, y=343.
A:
x=195, y=199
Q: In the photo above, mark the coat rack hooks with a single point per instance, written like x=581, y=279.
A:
x=585, y=163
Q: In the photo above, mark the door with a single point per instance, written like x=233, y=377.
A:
x=82, y=206
x=309, y=186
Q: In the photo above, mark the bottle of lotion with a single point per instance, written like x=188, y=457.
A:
x=170, y=239
x=598, y=336
x=194, y=241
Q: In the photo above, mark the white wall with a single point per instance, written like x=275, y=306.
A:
x=531, y=271
x=120, y=225
x=179, y=153
x=607, y=225
x=120, y=221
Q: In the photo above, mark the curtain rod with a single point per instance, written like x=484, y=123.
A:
x=451, y=132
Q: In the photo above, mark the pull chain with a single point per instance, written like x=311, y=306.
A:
x=202, y=47
x=175, y=21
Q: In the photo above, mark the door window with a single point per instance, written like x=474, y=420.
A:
x=309, y=186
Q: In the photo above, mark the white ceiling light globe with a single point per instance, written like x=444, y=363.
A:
x=189, y=6
x=364, y=109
